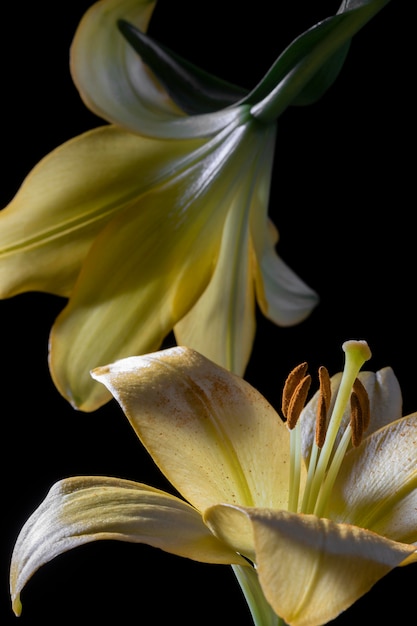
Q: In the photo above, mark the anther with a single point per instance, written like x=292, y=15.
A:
x=359, y=412
x=356, y=419
x=293, y=379
x=362, y=394
x=297, y=402
x=323, y=405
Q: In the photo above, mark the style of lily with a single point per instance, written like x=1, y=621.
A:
x=310, y=512
x=158, y=221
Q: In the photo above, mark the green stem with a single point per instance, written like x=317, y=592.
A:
x=299, y=63
x=261, y=611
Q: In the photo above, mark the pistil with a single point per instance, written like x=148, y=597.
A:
x=357, y=353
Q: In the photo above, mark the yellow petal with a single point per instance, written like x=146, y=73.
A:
x=233, y=527
x=83, y=509
x=48, y=227
x=312, y=569
x=376, y=487
x=213, y=435
x=116, y=85
x=283, y=297
x=147, y=268
x=221, y=325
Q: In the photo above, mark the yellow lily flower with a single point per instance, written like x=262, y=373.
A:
x=310, y=513
x=158, y=221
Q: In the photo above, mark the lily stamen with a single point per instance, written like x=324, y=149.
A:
x=293, y=379
x=294, y=396
x=356, y=419
x=297, y=402
x=323, y=406
x=326, y=454
x=363, y=398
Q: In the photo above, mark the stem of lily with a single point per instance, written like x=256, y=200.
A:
x=335, y=32
x=261, y=611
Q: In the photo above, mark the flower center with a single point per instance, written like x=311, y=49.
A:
x=332, y=436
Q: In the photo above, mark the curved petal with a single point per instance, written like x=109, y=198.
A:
x=221, y=325
x=282, y=296
x=214, y=436
x=385, y=401
x=83, y=509
x=311, y=569
x=376, y=487
x=233, y=527
x=147, y=268
x=47, y=229
x=116, y=85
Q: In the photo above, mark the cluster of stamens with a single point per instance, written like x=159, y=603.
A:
x=328, y=449
x=295, y=394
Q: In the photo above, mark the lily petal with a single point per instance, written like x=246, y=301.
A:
x=213, y=436
x=147, y=268
x=48, y=228
x=79, y=510
x=115, y=84
x=221, y=325
x=310, y=568
x=376, y=487
x=227, y=307
x=282, y=296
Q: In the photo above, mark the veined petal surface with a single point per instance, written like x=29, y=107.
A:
x=115, y=84
x=311, y=568
x=213, y=436
x=47, y=229
x=376, y=487
x=79, y=510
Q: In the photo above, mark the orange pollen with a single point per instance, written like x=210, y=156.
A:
x=356, y=419
x=297, y=402
x=359, y=412
x=362, y=394
x=323, y=406
x=293, y=380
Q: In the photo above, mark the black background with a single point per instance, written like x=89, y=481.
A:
x=343, y=200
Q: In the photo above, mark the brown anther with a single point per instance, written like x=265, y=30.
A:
x=356, y=419
x=293, y=379
x=362, y=394
x=297, y=401
x=323, y=405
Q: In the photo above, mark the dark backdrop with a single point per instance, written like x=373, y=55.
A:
x=343, y=200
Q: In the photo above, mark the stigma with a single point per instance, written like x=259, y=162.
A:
x=333, y=436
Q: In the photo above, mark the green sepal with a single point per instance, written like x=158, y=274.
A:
x=194, y=90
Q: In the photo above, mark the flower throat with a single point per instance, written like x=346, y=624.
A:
x=327, y=453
